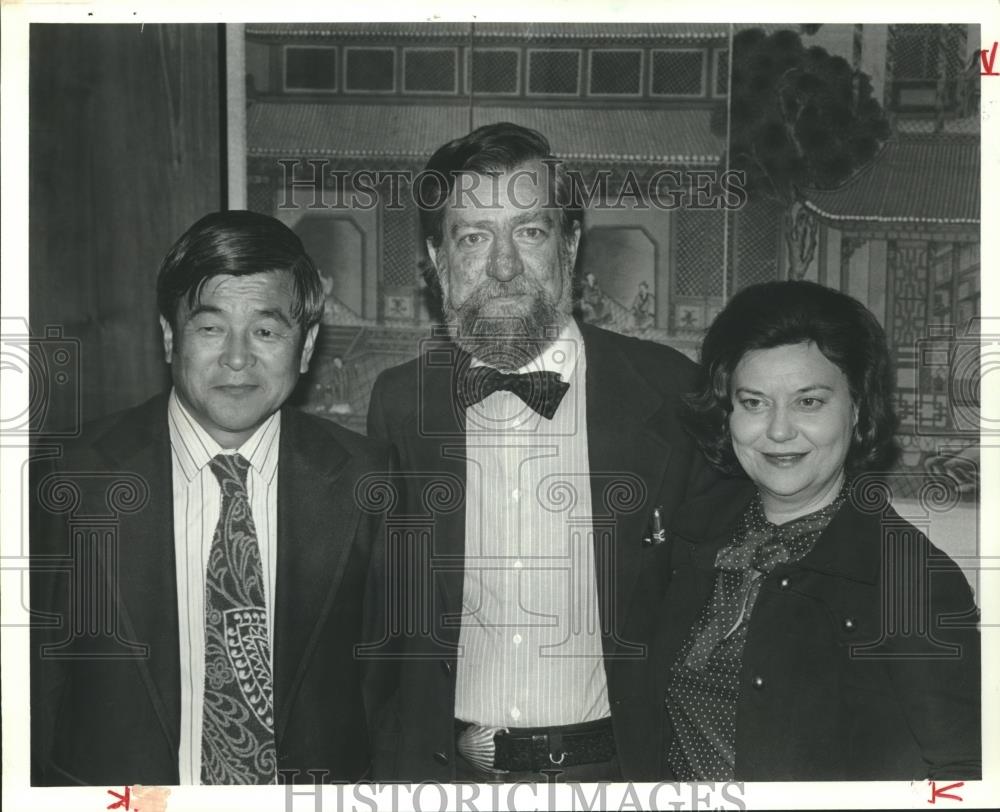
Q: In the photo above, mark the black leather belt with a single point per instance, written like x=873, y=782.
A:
x=532, y=749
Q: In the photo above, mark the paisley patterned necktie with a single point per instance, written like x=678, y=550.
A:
x=237, y=740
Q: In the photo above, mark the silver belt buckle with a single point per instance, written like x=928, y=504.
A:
x=476, y=745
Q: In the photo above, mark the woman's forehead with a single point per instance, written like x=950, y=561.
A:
x=787, y=366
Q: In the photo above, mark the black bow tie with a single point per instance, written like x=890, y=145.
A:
x=542, y=391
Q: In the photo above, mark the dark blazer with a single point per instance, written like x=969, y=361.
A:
x=115, y=719
x=639, y=459
x=861, y=661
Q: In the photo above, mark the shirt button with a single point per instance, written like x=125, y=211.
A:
x=441, y=758
x=515, y=713
x=849, y=624
x=784, y=582
x=517, y=639
x=446, y=667
x=515, y=494
x=757, y=682
x=518, y=564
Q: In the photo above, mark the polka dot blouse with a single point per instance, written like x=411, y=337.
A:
x=704, y=681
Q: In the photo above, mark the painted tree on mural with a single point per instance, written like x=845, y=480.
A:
x=799, y=118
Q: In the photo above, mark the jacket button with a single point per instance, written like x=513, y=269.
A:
x=784, y=582
x=849, y=624
x=446, y=667
x=441, y=758
x=757, y=682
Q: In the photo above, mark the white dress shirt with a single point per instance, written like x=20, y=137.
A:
x=530, y=643
x=197, y=501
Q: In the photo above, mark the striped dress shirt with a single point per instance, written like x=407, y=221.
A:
x=197, y=501
x=530, y=641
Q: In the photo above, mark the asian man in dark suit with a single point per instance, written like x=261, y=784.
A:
x=202, y=629
x=537, y=456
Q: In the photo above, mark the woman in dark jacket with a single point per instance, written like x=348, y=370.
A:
x=815, y=635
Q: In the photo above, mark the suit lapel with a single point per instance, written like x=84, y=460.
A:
x=317, y=522
x=147, y=574
x=700, y=528
x=628, y=458
x=438, y=448
x=687, y=595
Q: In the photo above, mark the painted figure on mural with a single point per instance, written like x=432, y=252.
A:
x=643, y=307
x=339, y=386
x=593, y=301
x=332, y=387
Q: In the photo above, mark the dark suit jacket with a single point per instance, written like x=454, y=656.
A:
x=639, y=459
x=101, y=714
x=861, y=661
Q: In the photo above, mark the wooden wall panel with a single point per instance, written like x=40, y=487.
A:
x=125, y=152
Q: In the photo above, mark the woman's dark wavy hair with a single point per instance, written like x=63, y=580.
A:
x=238, y=243
x=775, y=314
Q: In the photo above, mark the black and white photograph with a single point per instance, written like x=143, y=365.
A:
x=566, y=407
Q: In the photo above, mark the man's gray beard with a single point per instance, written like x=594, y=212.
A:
x=509, y=342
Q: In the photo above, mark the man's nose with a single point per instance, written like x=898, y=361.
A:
x=236, y=353
x=505, y=262
x=780, y=427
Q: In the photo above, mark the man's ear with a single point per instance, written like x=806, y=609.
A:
x=307, y=348
x=440, y=269
x=573, y=243
x=168, y=340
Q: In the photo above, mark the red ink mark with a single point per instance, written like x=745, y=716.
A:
x=123, y=800
x=988, y=62
x=943, y=792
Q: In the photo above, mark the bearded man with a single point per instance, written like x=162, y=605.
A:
x=518, y=588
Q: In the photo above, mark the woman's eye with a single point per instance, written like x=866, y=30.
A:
x=811, y=403
x=750, y=403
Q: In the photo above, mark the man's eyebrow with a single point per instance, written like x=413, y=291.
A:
x=267, y=313
x=534, y=216
x=520, y=219
x=199, y=308
x=272, y=313
x=456, y=227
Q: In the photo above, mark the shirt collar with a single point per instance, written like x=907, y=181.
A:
x=194, y=448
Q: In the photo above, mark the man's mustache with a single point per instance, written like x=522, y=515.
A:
x=497, y=288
